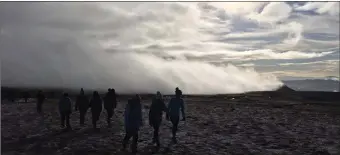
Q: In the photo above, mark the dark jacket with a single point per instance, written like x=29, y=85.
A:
x=96, y=105
x=40, y=98
x=110, y=100
x=133, y=115
x=175, y=106
x=65, y=104
x=156, y=110
x=82, y=103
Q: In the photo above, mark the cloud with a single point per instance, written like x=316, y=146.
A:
x=331, y=8
x=62, y=45
x=147, y=47
x=307, y=74
x=269, y=54
x=312, y=69
x=327, y=62
x=273, y=12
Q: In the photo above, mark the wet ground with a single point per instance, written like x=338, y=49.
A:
x=212, y=127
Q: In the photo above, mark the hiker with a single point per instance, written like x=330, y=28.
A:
x=96, y=108
x=133, y=121
x=26, y=95
x=178, y=91
x=175, y=105
x=65, y=109
x=82, y=104
x=155, y=116
x=40, y=101
x=110, y=103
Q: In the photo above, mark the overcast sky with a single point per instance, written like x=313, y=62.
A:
x=192, y=45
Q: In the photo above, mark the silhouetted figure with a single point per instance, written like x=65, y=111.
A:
x=26, y=95
x=52, y=94
x=175, y=105
x=11, y=96
x=96, y=108
x=82, y=104
x=40, y=101
x=155, y=115
x=178, y=91
x=65, y=109
x=110, y=103
x=133, y=121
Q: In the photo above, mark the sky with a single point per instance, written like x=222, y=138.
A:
x=201, y=47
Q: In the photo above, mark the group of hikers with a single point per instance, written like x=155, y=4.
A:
x=133, y=119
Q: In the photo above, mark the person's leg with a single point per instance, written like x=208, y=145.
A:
x=39, y=107
x=62, y=119
x=68, y=125
x=174, y=121
x=153, y=124
x=134, y=142
x=94, y=121
x=156, y=133
x=82, y=117
x=109, y=115
x=126, y=139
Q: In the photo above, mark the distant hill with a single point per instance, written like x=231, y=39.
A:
x=285, y=88
x=327, y=85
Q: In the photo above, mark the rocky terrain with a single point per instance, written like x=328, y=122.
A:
x=215, y=125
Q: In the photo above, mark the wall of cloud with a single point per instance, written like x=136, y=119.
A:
x=134, y=47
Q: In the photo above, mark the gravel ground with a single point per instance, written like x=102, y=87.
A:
x=211, y=128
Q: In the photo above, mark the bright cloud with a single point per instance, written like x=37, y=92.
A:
x=331, y=8
x=145, y=47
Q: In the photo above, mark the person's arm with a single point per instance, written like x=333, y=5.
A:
x=169, y=108
x=126, y=115
x=59, y=104
x=151, y=109
x=182, y=109
x=164, y=108
x=115, y=103
x=90, y=103
x=140, y=115
x=77, y=104
x=70, y=104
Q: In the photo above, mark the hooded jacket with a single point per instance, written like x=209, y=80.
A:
x=82, y=103
x=175, y=106
x=133, y=115
x=156, y=110
x=65, y=104
x=110, y=100
x=96, y=105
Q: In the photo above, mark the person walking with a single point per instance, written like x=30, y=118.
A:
x=40, y=101
x=175, y=105
x=155, y=116
x=96, y=108
x=110, y=103
x=133, y=121
x=65, y=109
x=82, y=104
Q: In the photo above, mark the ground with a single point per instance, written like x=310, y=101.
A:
x=255, y=126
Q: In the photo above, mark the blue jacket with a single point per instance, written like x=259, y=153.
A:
x=174, y=107
x=133, y=118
